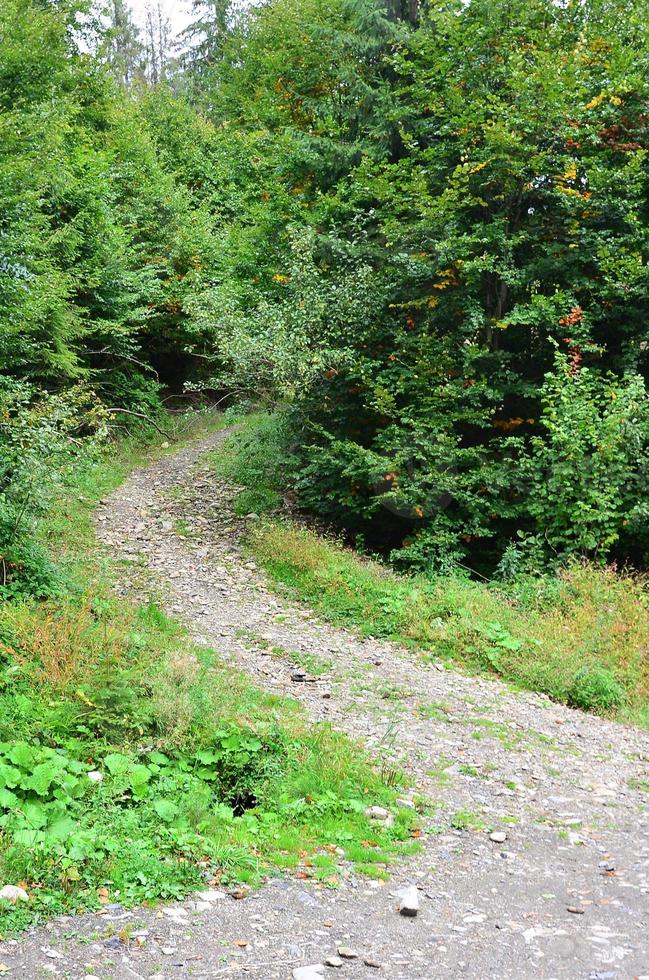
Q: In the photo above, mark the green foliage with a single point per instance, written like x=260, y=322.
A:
x=452, y=202
x=579, y=637
x=595, y=689
x=37, y=447
x=255, y=459
x=585, y=470
x=136, y=765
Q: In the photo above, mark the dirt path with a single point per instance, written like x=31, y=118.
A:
x=566, y=895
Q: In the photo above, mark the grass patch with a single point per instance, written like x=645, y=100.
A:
x=580, y=637
x=252, y=460
x=136, y=766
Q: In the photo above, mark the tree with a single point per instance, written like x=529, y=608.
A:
x=205, y=38
x=122, y=46
x=158, y=43
x=487, y=162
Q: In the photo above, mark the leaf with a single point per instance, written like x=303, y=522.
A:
x=7, y=799
x=61, y=829
x=41, y=778
x=9, y=776
x=165, y=809
x=118, y=764
x=22, y=754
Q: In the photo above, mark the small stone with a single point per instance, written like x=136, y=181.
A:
x=239, y=893
x=575, y=910
x=409, y=901
x=211, y=895
x=95, y=776
x=334, y=961
x=13, y=894
x=168, y=950
x=498, y=837
x=405, y=804
x=298, y=676
x=373, y=964
x=376, y=813
x=347, y=953
x=309, y=972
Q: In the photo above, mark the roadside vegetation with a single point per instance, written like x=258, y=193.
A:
x=135, y=767
x=580, y=635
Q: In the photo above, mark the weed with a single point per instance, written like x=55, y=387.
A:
x=439, y=773
x=595, y=688
x=468, y=771
x=641, y=784
x=313, y=663
x=467, y=820
x=433, y=711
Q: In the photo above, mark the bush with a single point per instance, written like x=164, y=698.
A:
x=258, y=460
x=38, y=443
x=595, y=689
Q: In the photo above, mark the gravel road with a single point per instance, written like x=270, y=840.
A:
x=563, y=890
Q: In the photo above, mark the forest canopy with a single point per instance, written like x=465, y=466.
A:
x=418, y=231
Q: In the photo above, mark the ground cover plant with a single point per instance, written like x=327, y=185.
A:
x=135, y=766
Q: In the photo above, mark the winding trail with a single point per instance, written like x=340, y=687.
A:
x=565, y=896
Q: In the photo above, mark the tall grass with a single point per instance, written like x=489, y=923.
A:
x=581, y=637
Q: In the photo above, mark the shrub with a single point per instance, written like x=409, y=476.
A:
x=38, y=443
x=595, y=689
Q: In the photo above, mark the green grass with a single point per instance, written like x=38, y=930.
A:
x=579, y=636
x=253, y=461
x=204, y=776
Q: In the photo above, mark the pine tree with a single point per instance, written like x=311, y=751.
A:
x=158, y=43
x=122, y=47
x=205, y=37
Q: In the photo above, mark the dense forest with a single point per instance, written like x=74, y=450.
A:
x=419, y=231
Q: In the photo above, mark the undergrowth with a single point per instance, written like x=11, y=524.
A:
x=136, y=766
x=581, y=636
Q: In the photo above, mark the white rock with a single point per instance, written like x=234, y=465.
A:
x=309, y=972
x=334, y=961
x=95, y=776
x=53, y=954
x=347, y=953
x=405, y=804
x=13, y=894
x=376, y=813
x=211, y=895
x=409, y=901
x=498, y=837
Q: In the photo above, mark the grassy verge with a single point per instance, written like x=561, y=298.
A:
x=581, y=637
x=134, y=766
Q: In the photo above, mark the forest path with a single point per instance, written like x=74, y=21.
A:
x=566, y=895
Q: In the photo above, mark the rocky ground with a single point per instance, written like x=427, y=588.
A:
x=538, y=861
